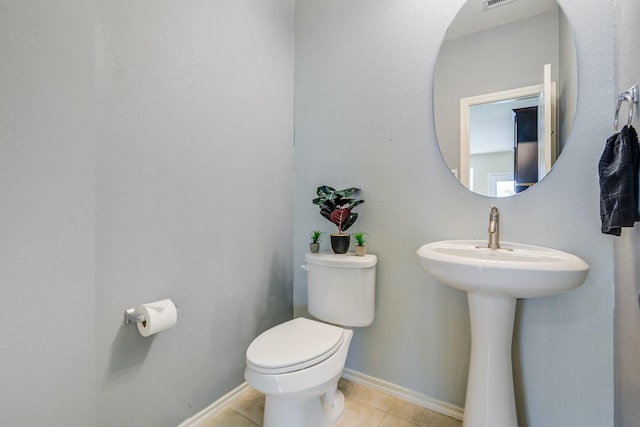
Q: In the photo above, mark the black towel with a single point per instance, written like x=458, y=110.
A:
x=618, y=170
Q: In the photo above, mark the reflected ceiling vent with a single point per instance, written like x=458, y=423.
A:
x=492, y=4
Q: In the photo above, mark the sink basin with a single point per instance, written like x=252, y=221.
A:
x=516, y=269
x=493, y=280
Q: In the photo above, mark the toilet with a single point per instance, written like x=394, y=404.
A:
x=298, y=363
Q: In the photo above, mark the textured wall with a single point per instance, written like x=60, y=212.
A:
x=364, y=117
x=47, y=373
x=194, y=196
x=627, y=248
x=191, y=112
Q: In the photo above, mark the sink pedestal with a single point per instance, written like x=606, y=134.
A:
x=493, y=279
x=490, y=400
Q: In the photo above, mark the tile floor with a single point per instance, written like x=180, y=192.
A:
x=364, y=407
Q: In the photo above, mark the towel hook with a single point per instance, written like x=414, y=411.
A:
x=631, y=96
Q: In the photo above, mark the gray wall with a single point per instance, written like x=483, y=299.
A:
x=364, y=117
x=187, y=129
x=627, y=247
x=47, y=373
x=194, y=196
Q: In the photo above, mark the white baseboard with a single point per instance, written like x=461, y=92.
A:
x=215, y=407
x=351, y=375
x=405, y=394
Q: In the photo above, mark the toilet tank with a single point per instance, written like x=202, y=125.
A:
x=341, y=288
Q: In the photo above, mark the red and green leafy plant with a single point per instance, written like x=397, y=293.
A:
x=337, y=206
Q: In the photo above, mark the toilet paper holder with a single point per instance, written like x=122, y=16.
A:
x=131, y=316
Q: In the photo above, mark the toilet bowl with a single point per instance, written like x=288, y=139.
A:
x=300, y=387
x=298, y=363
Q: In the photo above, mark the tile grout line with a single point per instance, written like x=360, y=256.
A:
x=245, y=417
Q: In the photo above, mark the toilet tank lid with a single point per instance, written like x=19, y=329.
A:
x=348, y=260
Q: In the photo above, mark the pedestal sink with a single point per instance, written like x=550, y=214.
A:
x=493, y=280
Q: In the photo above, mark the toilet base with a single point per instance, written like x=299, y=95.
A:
x=307, y=397
x=309, y=410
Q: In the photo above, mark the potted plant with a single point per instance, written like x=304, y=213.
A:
x=337, y=206
x=360, y=247
x=316, y=236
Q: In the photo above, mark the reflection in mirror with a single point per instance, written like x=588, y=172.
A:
x=504, y=94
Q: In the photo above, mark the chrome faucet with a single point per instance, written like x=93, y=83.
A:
x=494, y=228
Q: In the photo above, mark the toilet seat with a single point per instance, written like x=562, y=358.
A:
x=293, y=345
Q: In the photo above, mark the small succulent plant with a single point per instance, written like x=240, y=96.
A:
x=359, y=236
x=316, y=236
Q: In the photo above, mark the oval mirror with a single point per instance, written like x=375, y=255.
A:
x=505, y=91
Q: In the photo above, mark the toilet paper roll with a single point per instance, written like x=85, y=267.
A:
x=159, y=315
